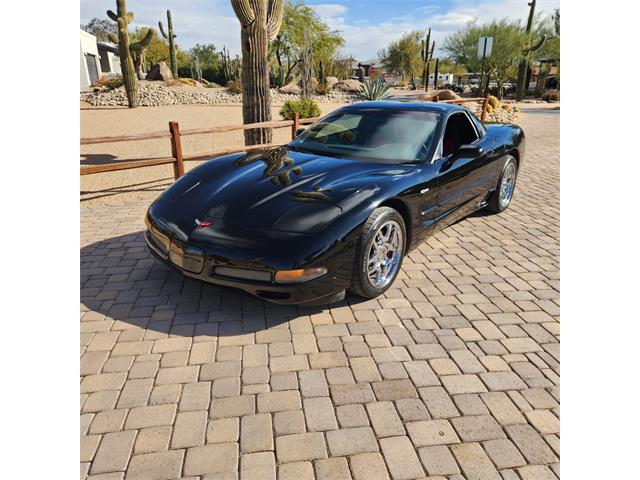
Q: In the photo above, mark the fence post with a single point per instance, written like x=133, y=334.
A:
x=295, y=125
x=176, y=150
x=484, y=108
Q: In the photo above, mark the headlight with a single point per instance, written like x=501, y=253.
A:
x=299, y=276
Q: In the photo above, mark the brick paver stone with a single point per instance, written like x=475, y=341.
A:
x=258, y=466
x=364, y=369
x=153, y=439
x=135, y=393
x=220, y=459
x=156, y=466
x=468, y=383
x=352, y=415
x=223, y=430
x=437, y=460
x=474, y=462
x=431, y=432
x=319, y=414
x=503, y=454
x=232, y=406
x=313, y=384
x=296, y=471
x=332, y=469
x=357, y=393
x=530, y=443
x=113, y=453
x=368, y=466
x=189, y=429
x=256, y=433
x=349, y=441
x=288, y=422
x=385, y=419
x=477, y=428
x=279, y=401
x=394, y=390
x=401, y=458
x=299, y=447
x=154, y=416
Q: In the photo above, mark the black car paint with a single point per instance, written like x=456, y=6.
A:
x=279, y=209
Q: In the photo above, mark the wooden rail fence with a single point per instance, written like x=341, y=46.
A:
x=177, y=157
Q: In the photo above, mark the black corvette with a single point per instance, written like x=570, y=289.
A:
x=339, y=206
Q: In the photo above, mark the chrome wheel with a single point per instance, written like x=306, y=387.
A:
x=508, y=185
x=385, y=254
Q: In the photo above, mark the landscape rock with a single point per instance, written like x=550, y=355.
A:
x=331, y=82
x=152, y=94
x=351, y=86
x=159, y=71
x=291, y=88
x=446, y=95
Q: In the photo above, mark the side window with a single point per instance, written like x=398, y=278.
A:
x=459, y=131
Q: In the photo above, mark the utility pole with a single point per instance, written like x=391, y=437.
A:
x=484, y=53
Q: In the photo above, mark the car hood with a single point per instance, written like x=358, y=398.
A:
x=275, y=188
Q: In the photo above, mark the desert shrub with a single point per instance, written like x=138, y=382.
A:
x=305, y=107
x=375, y=89
x=108, y=82
x=187, y=81
x=234, y=86
x=323, y=88
x=213, y=85
x=551, y=96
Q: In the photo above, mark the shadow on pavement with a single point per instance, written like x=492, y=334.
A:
x=123, y=281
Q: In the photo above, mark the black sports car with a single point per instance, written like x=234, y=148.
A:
x=339, y=206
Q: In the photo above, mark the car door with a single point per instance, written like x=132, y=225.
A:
x=463, y=177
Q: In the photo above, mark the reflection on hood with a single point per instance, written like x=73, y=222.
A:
x=278, y=168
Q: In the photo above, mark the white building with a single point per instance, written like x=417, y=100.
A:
x=96, y=59
x=443, y=78
x=90, y=70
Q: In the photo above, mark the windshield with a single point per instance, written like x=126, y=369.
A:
x=379, y=134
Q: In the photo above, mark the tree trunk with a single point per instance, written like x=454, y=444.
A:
x=256, y=101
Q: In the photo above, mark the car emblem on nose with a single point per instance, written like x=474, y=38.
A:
x=202, y=223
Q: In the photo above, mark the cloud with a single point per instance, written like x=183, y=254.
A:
x=213, y=21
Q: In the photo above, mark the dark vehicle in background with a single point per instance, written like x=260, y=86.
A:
x=340, y=206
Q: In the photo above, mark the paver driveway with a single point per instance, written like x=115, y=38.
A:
x=453, y=374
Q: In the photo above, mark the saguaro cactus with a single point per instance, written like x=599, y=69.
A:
x=361, y=73
x=170, y=36
x=322, y=73
x=435, y=74
x=259, y=24
x=126, y=49
x=526, y=51
x=197, y=70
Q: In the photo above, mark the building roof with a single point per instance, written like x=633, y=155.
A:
x=108, y=46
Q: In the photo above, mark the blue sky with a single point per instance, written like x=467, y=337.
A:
x=366, y=25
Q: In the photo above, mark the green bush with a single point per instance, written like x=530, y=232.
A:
x=305, y=107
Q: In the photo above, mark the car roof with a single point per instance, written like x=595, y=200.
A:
x=407, y=105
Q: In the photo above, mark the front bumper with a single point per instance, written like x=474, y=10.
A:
x=200, y=263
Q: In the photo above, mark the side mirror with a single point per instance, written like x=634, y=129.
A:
x=300, y=131
x=469, y=151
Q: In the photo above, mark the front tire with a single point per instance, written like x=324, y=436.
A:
x=379, y=254
x=501, y=198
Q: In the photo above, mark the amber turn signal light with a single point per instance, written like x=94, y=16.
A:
x=300, y=275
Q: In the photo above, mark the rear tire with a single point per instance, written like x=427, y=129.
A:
x=375, y=267
x=503, y=194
